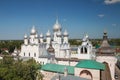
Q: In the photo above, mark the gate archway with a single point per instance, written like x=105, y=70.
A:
x=86, y=74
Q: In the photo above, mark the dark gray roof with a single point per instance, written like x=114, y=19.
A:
x=42, y=45
x=51, y=49
x=105, y=48
x=74, y=48
x=68, y=77
x=45, y=54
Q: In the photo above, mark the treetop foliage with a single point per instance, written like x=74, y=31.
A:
x=19, y=70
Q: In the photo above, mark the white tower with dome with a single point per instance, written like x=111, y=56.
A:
x=60, y=41
x=36, y=39
x=65, y=36
x=48, y=37
x=32, y=35
x=86, y=51
x=25, y=39
x=56, y=29
x=59, y=37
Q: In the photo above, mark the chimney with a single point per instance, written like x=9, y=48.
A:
x=65, y=71
x=58, y=77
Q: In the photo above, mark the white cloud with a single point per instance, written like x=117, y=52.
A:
x=114, y=24
x=64, y=20
x=101, y=15
x=111, y=1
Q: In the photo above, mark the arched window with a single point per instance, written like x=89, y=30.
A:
x=86, y=74
x=29, y=54
x=82, y=50
x=85, y=50
x=34, y=54
x=87, y=43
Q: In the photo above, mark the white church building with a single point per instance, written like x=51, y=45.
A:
x=35, y=47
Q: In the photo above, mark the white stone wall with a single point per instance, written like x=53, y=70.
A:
x=32, y=49
x=111, y=60
x=48, y=39
x=55, y=36
x=26, y=41
x=65, y=40
x=63, y=62
x=42, y=60
x=81, y=56
x=73, y=63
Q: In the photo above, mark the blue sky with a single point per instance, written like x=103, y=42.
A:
x=77, y=16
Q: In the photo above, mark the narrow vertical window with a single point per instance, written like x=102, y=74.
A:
x=34, y=54
x=82, y=50
x=85, y=50
x=29, y=54
x=24, y=53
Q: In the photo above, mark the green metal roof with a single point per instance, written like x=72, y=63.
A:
x=90, y=64
x=58, y=68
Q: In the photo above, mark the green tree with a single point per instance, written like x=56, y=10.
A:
x=11, y=69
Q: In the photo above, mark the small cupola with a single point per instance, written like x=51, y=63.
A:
x=48, y=34
x=33, y=30
x=65, y=34
x=25, y=36
x=57, y=26
x=36, y=36
x=41, y=35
